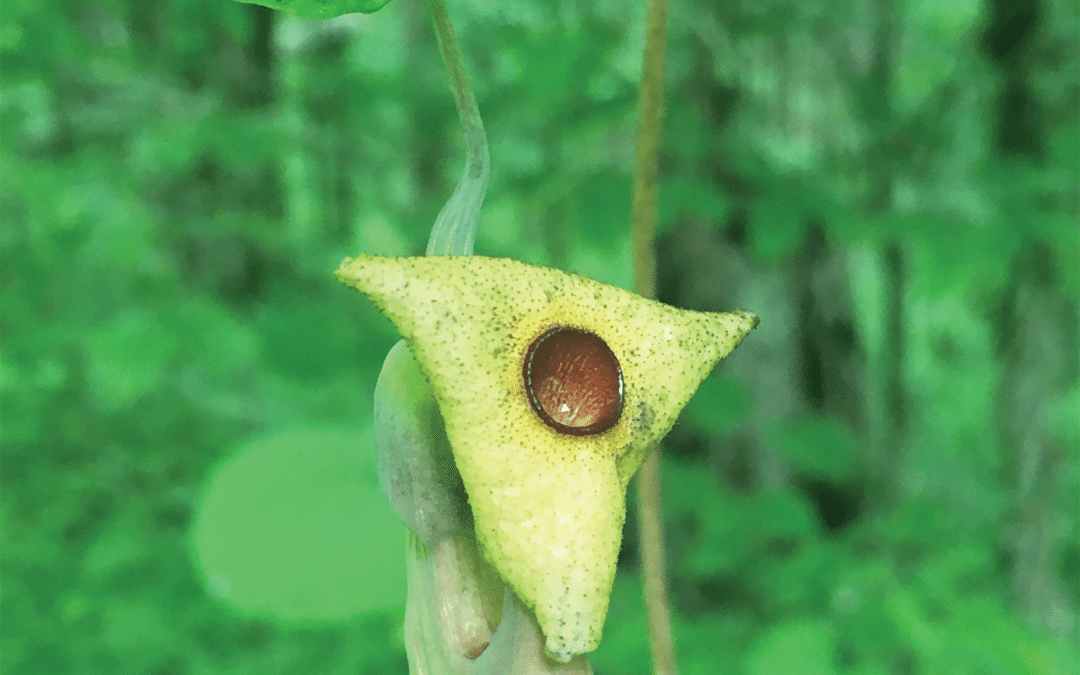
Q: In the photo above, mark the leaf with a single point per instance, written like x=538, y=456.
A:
x=294, y=527
x=548, y=496
x=321, y=9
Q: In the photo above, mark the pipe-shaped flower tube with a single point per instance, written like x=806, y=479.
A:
x=553, y=388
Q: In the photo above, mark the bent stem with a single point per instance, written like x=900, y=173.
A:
x=454, y=623
x=643, y=228
x=456, y=225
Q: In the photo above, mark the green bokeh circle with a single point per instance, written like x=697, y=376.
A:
x=294, y=527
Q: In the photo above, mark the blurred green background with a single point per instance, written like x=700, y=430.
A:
x=882, y=480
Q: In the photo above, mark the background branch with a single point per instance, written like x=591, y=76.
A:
x=643, y=225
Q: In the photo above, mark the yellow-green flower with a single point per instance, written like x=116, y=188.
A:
x=553, y=388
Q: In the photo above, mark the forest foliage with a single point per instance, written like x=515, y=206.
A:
x=883, y=480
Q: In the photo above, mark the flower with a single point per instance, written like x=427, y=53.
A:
x=553, y=388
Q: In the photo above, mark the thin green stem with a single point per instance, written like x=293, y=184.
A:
x=643, y=224
x=455, y=227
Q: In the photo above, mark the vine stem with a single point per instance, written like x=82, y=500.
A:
x=643, y=233
x=455, y=227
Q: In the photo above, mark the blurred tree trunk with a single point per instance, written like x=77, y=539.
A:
x=1034, y=347
x=302, y=207
x=256, y=84
x=806, y=359
x=881, y=164
x=1033, y=331
x=222, y=252
x=708, y=266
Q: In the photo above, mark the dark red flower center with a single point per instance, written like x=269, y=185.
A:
x=574, y=381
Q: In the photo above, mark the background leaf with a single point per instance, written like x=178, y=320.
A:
x=322, y=9
x=289, y=524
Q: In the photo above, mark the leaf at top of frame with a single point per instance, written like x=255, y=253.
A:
x=321, y=9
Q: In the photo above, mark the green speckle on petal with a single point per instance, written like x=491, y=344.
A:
x=548, y=506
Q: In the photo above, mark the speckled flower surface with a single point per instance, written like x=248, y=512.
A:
x=548, y=506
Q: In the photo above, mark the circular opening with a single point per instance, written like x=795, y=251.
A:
x=574, y=381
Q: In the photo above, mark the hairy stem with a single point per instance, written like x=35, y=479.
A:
x=643, y=224
x=455, y=227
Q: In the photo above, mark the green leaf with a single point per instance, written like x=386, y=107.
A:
x=295, y=527
x=321, y=9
